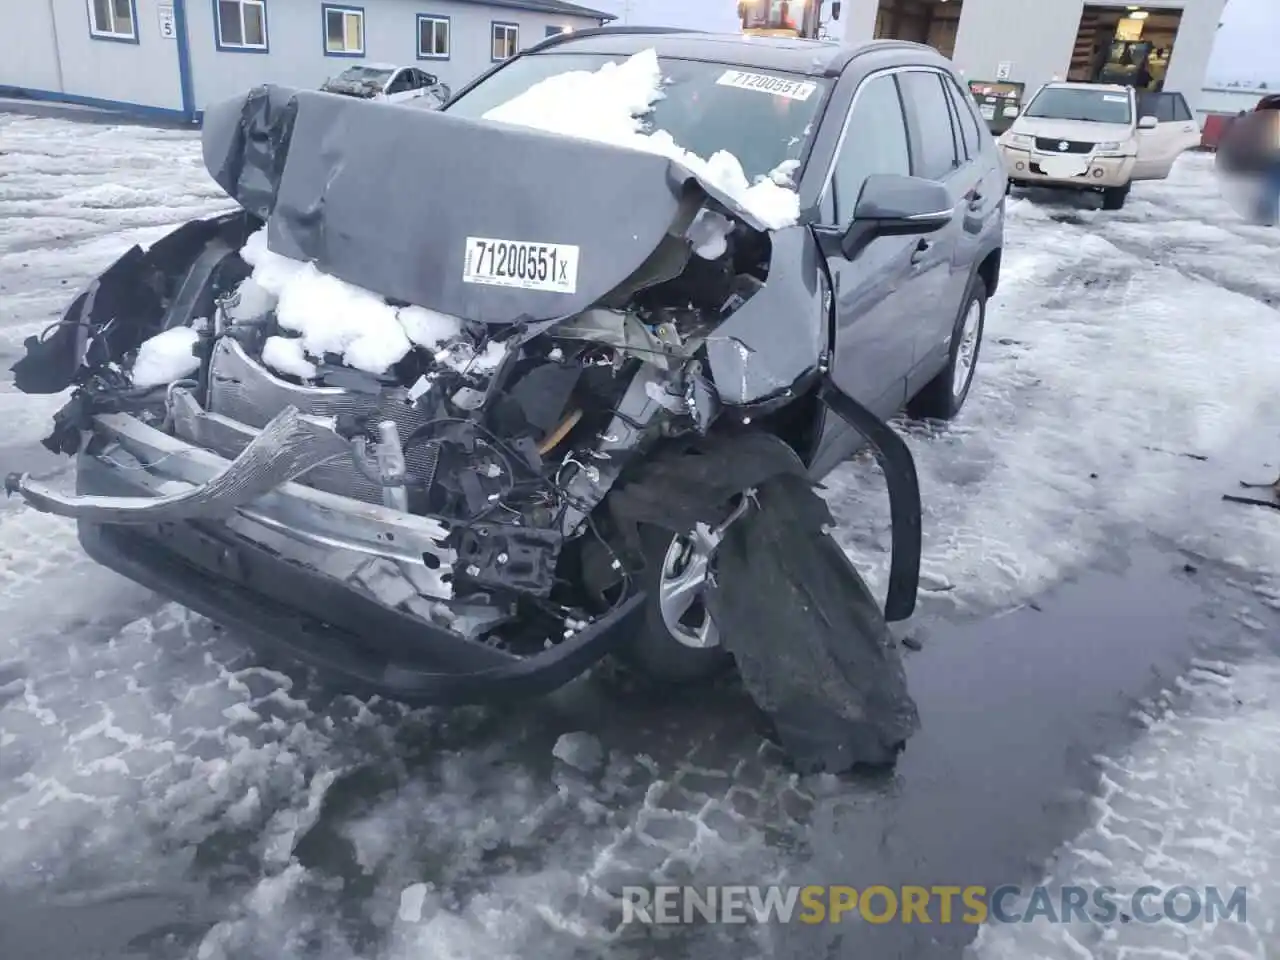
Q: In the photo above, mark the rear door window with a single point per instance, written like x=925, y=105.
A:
x=935, y=156
x=966, y=119
x=1159, y=105
x=1181, y=112
x=875, y=142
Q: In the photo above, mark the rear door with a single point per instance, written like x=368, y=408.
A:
x=1175, y=131
x=937, y=153
x=874, y=296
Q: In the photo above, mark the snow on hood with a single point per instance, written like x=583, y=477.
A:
x=609, y=105
x=332, y=316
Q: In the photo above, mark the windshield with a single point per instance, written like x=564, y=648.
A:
x=707, y=107
x=1074, y=103
x=376, y=75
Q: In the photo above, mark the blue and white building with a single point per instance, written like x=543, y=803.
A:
x=168, y=58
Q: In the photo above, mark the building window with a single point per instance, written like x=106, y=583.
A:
x=506, y=41
x=556, y=31
x=433, y=37
x=242, y=25
x=113, y=20
x=343, y=31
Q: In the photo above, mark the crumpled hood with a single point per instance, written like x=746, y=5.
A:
x=386, y=197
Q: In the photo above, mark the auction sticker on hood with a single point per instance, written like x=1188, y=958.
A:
x=778, y=86
x=549, y=267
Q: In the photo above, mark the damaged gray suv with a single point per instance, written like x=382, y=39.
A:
x=452, y=408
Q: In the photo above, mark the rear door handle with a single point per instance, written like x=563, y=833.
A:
x=922, y=247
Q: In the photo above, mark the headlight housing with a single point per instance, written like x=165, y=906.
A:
x=1111, y=146
x=1016, y=140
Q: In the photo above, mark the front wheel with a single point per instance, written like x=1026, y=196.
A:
x=944, y=395
x=678, y=640
x=1113, y=198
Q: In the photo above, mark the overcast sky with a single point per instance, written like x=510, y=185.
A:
x=1247, y=42
x=1245, y=49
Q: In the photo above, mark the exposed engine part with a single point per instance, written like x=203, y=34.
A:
x=507, y=556
x=387, y=465
x=553, y=439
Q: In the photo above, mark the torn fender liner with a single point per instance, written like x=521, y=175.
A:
x=340, y=182
x=52, y=359
x=680, y=488
x=810, y=643
x=905, y=510
x=288, y=446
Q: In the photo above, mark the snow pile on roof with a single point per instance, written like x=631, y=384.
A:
x=166, y=357
x=608, y=105
x=335, y=317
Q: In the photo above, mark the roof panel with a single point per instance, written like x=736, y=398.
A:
x=561, y=7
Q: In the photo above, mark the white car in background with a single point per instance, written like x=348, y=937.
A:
x=1097, y=137
x=383, y=81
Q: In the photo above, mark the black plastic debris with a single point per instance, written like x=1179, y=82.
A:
x=810, y=641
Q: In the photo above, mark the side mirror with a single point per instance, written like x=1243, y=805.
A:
x=1148, y=123
x=835, y=10
x=895, y=206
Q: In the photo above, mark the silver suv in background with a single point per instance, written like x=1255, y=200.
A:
x=1097, y=137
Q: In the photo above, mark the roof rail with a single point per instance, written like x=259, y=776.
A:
x=559, y=38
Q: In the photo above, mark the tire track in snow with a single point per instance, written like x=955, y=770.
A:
x=1191, y=803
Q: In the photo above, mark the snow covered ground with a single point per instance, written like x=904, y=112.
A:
x=165, y=794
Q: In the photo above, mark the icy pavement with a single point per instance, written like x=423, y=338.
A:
x=1099, y=692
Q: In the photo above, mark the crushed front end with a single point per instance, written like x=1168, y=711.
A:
x=419, y=513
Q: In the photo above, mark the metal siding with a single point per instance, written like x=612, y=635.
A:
x=144, y=73
x=1040, y=47
x=296, y=57
x=29, y=56
x=1192, y=48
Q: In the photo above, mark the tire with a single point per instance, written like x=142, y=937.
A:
x=654, y=651
x=941, y=398
x=1113, y=198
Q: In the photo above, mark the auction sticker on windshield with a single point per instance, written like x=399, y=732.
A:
x=778, y=86
x=550, y=267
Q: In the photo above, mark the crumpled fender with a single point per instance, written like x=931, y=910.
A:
x=778, y=337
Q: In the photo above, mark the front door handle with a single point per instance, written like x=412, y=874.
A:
x=922, y=247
